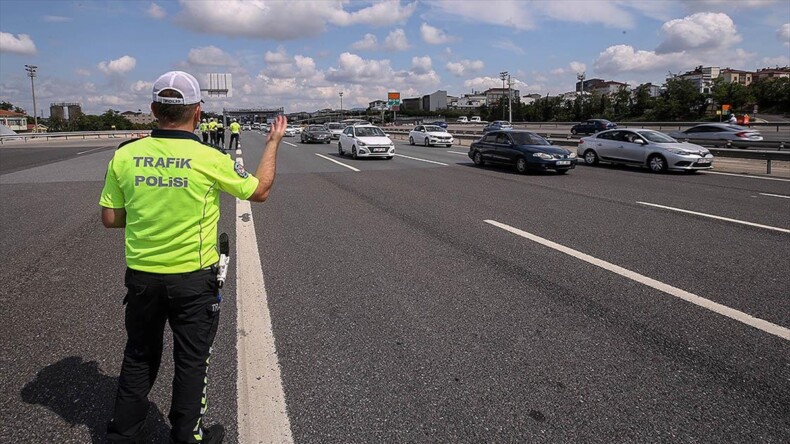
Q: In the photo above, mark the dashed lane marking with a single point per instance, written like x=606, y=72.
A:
x=421, y=160
x=457, y=152
x=747, y=176
x=262, y=413
x=712, y=216
x=94, y=149
x=775, y=195
x=715, y=307
x=289, y=143
x=238, y=152
x=335, y=161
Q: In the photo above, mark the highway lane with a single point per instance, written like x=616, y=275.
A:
x=20, y=156
x=400, y=315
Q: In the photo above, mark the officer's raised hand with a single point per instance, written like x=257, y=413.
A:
x=268, y=164
x=278, y=128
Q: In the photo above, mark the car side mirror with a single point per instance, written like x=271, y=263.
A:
x=641, y=141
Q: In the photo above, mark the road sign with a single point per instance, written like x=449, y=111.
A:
x=393, y=100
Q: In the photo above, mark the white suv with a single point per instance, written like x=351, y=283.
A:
x=365, y=141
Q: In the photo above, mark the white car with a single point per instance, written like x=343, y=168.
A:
x=246, y=127
x=365, y=141
x=463, y=119
x=429, y=135
x=290, y=131
x=475, y=119
x=334, y=128
x=296, y=128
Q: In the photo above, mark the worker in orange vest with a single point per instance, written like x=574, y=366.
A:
x=746, y=119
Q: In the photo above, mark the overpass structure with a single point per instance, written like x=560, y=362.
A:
x=251, y=115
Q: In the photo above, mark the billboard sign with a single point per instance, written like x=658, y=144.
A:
x=393, y=100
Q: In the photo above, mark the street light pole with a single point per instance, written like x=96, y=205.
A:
x=341, y=105
x=31, y=72
x=581, y=77
x=509, y=99
x=503, y=75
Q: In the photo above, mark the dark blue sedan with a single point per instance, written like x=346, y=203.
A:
x=524, y=150
x=497, y=125
x=439, y=123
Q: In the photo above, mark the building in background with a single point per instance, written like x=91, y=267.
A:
x=771, y=73
x=530, y=98
x=13, y=120
x=737, y=76
x=138, y=118
x=702, y=77
x=411, y=104
x=378, y=105
x=494, y=95
x=57, y=111
x=467, y=101
x=435, y=101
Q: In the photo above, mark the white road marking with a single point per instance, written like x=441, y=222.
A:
x=457, y=152
x=775, y=195
x=94, y=149
x=335, y=161
x=289, y=143
x=752, y=224
x=262, y=413
x=421, y=160
x=715, y=307
x=747, y=176
x=238, y=152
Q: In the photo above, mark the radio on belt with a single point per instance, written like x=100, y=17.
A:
x=224, y=259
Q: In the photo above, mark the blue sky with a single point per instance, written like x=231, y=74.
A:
x=300, y=54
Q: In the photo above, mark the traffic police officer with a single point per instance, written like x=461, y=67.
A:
x=204, y=130
x=235, y=128
x=221, y=133
x=212, y=130
x=164, y=190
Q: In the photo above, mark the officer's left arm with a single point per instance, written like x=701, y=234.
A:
x=113, y=217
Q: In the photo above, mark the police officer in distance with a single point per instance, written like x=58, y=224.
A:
x=221, y=133
x=235, y=129
x=164, y=190
x=204, y=130
x=212, y=130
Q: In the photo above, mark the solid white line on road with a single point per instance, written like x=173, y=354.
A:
x=752, y=224
x=457, y=152
x=289, y=143
x=775, y=195
x=238, y=152
x=94, y=149
x=421, y=160
x=715, y=307
x=335, y=161
x=747, y=176
x=261, y=409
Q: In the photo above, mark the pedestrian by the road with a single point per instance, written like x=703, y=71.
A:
x=733, y=120
x=212, y=130
x=164, y=190
x=204, y=130
x=235, y=129
x=221, y=133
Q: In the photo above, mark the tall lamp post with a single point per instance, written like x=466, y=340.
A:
x=503, y=75
x=581, y=77
x=31, y=72
x=341, y=105
x=509, y=99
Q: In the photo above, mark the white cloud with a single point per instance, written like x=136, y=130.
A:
x=118, y=66
x=483, y=83
x=396, y=41
x=141, y=86
x=369, y=42
x=573, y=68
x=605, y=12
x=508, y=13
x=210, y=56
x=618, y=58
x=277, y=58
x=56, y=19
x=704, y=30
x=508, y=45
x=282, y=20
x=434, y=36
x=421, y=65
x=156, y=12
x=778, y=61
x=83, y=72
x=783, y=34
x=354, y=69
x=306, y=65
x=465, y=67
x=19, y=44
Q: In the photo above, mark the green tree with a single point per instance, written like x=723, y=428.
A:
x=772, y=95
x=680, y=100
x=642, y=101
x=735, y=94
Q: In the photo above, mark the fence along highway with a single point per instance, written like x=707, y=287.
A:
x=401, y=313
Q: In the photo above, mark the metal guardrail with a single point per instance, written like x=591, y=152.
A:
x=83, y=135
x=767, y=156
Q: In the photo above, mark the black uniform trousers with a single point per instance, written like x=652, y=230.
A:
x=190, y=303
x=221, y=138
x=213, y=136
x=233, y=136
x=205, y=136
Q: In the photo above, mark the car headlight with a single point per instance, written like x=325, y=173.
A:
x=572, y=155
x=543, y=156
x=676, y=151
x=361, y=143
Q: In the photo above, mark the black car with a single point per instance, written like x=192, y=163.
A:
x=316, y=133
x=523, y=149
x=592, y=126
x=497, y=125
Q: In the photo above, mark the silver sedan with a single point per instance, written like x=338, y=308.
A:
x=649, y=148
x=718, y=131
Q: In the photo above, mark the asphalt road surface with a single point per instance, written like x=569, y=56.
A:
x=423, y=299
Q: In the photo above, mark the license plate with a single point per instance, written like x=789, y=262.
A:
x=563, y=162
x=378, y=150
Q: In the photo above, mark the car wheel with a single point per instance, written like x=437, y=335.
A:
x=521, y=165
x=427, y=142
x=574, y=132
x=411, y=140
x=477, y=158
x=657, y=163
x=340, y=149
x=354, y=152
x=590, y=158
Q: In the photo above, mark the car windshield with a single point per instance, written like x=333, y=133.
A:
x=334, y=126
x=655, y=136
x=434, y=129
x=369, y=131
x=528, y=139
x=315, y=128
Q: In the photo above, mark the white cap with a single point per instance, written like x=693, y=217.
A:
x=181, y=82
